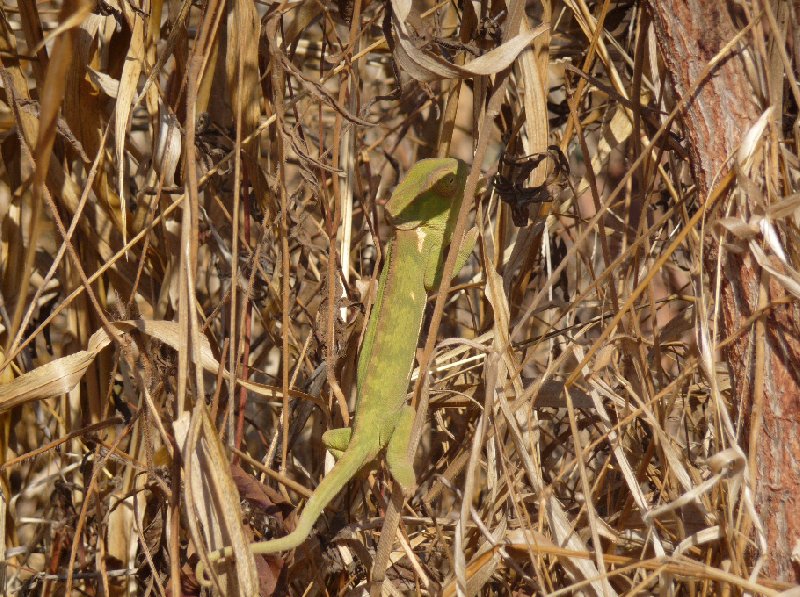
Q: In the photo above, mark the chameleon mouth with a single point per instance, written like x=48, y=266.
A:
x=404, y=220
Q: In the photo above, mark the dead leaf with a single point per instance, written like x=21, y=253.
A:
x=425, y=65
x=61, y=375
x=125, y=94
x=739, y=228
x=213, y=501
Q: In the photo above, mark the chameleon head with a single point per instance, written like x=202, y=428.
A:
x=430, y=188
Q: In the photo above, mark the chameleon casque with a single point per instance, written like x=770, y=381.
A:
x=422, y=212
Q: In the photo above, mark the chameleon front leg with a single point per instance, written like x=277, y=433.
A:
x=434, y=263
x=352, y=461
x=401, y=467
x=337, y=440
x=466, y=248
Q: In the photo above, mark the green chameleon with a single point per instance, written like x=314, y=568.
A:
x=422, y=211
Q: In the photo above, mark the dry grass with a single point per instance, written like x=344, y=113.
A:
x=635, y=480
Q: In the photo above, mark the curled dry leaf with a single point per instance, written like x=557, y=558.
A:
x=790, y=278
x=731, y=461
x=125, y=95
x=773, y=239
x=61, y=375
x=168, y=151
x=790, y=206
x=750, y=142
x=212, y=500
x=105, y=83
x=425, y=65
x=739, y=228
x=53, y=378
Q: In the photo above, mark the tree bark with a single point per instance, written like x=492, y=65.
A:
x=763, y=361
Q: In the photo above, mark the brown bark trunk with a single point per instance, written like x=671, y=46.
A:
x=763, y=362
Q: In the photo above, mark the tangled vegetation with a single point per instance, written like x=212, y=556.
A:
x=191, y=202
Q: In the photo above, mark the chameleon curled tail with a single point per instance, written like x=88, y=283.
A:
x=345, y=468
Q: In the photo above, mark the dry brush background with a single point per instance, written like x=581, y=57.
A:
x=192, y=225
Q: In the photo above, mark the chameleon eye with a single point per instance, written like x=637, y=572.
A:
x=447, y=185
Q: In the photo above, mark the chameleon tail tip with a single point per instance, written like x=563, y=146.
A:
x=202, y=574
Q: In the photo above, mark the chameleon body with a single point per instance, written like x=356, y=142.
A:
x=422, y=212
